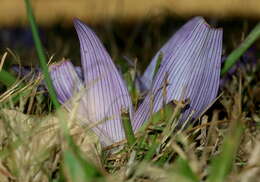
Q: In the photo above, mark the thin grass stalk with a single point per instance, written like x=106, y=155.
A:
x=41, y=55
x=234, y=56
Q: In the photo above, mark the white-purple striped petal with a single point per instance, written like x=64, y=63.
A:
x=78, y=70
x=169, y=47
x=106, y=94
x=65, y=80
x=192, y=70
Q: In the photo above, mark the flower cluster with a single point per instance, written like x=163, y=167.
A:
x=189, y=70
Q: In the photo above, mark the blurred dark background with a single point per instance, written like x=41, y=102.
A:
x=136, y=29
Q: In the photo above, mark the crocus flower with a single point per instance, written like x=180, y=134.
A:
x=190, y=66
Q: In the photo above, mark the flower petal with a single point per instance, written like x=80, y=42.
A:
x=192, y=71
x=170, y=47
x=106, y=94
x=78, y=70
x=65, y=80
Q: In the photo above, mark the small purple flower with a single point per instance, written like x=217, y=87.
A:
x=246, y=63
x=190, y=66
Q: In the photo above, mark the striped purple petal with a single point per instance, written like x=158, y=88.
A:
x=65, y=80
x=78, y=70
x=166, y=51
x=192, y=70
x=106, y=94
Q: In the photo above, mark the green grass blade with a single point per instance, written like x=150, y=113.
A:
x=75, y=166
x=6, y=78
x=222, y=164
x=129, y=133
x=234, y=56
x=158, y=64
x=41, y=55
x=182, y=168
x=152, y=150
x=78, y=169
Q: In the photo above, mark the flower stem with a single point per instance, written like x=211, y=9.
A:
x=233, y=57
x=41, y=55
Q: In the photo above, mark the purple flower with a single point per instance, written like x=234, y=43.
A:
x=190, y=67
